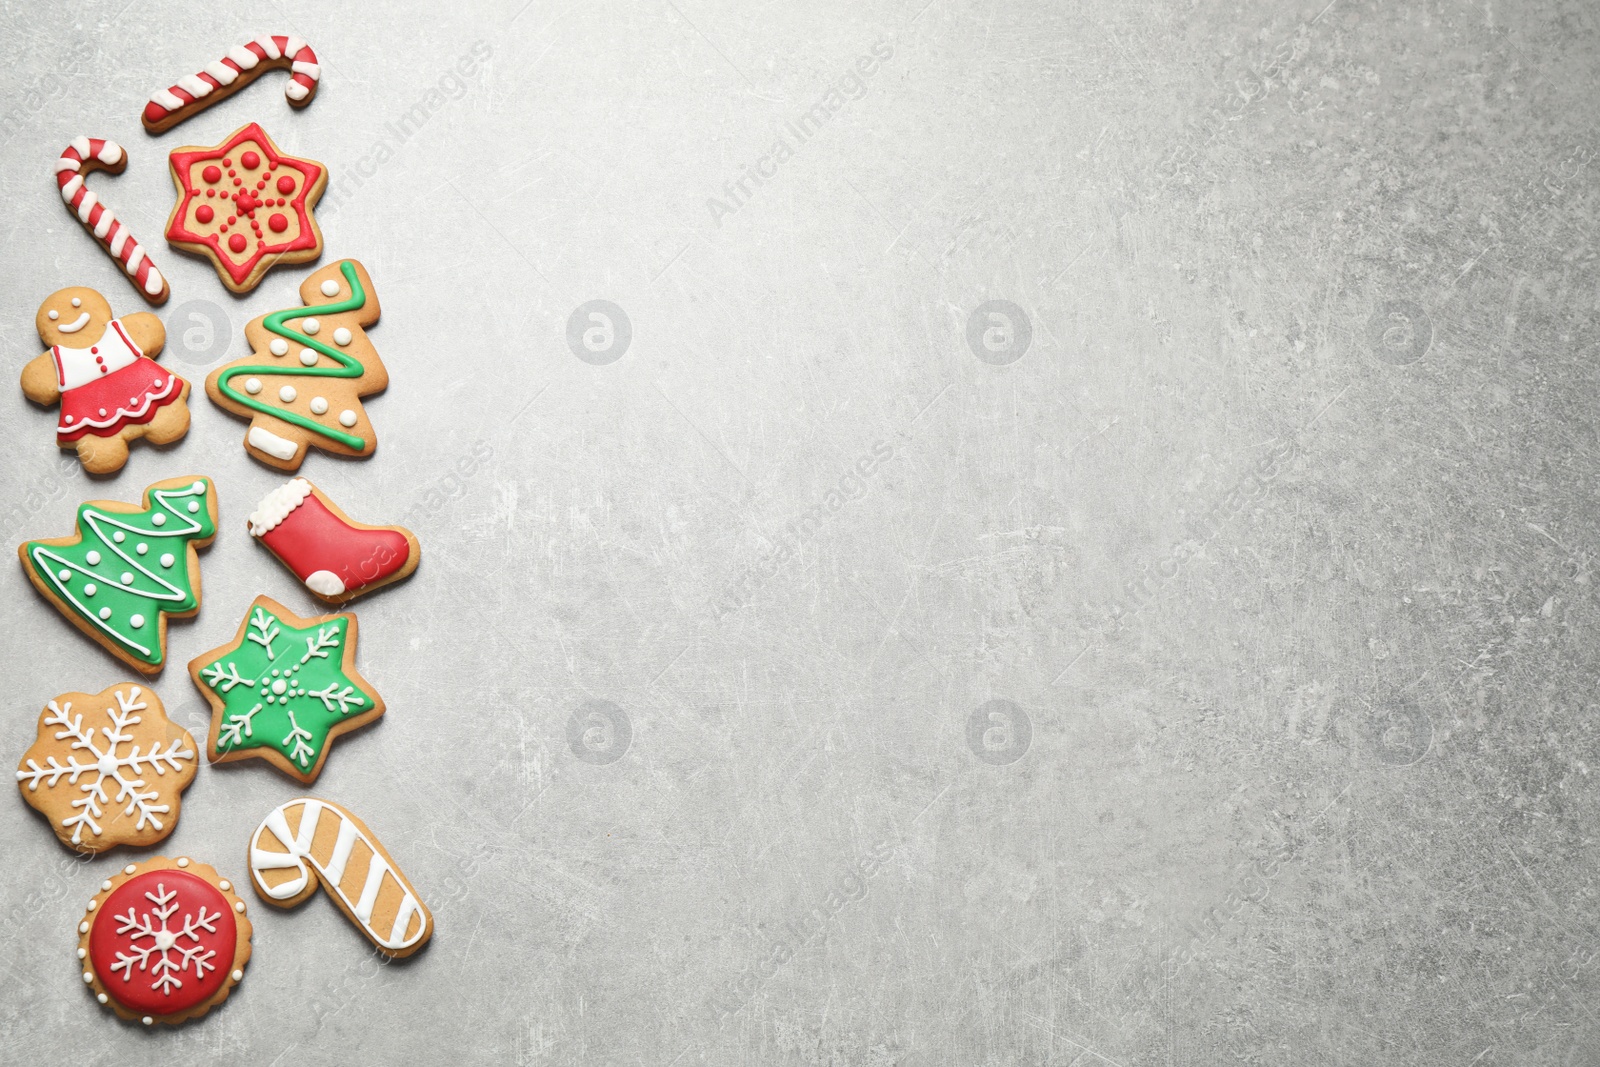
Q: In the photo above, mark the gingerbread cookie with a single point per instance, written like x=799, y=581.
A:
x=308, y=842
x=128, y=759
x=245, y=206
x=242, y=65
x=100, y=370
x=336, y=557
x=86, y=154
x=284, y=688
x=164, y=940
x=310, y=368
x=129, y=568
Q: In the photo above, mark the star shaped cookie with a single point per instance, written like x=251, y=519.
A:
x=283, y=689
x=245, y=206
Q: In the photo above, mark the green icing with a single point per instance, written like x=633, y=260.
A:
x=129, y=566
x=349, y=366
x=284, y=688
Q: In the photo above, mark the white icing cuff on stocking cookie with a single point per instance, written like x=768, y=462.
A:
x=276, y=506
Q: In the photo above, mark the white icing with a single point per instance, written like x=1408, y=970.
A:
x=93, y=558
x=158, y=520
x=308, y=357
x=319, y=405
x=54, y=314
x=341, y=336
x=90, y=589
x=311, y=326
x=80, y=145
x=329, y=287
x=287, y=394
x=165, y=99
x=135, y=257
x=103, y=227
x=76, y=302
x=224, y=74
x=245, y=58
x=69, y=190
x=153, y=282
x=325, y=582
x=195, y=85
x=292, y=46
x=167, y=559
x=310, y=70
x=110, y=153
x=136, y=621
x=271, y=443
x=118, y=239
x=347, y=417
x=68, y=163
x=86, y=206
x=269, y=46
x=75, y=325
x=252, y=385
x=295, y=91
x=276, y=506
x=279, y=347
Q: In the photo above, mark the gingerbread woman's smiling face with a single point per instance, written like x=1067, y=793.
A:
x=73, y=318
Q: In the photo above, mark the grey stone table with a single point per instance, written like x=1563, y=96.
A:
x=954, y=533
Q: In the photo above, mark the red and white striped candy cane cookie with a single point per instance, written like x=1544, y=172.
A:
x=242, y=65
x=87, y=154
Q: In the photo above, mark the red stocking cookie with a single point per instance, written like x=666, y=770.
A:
x=242, y=65
x=87, y=154
x=338, y=558
x=99, y=368
x=245, y=206
x=164, y=940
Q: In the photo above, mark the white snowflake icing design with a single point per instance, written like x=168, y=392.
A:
x=164, y=971
x=107, y=763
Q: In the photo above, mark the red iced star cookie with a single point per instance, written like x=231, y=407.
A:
x=246, y=206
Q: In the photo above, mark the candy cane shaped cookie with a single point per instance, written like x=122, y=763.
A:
x=308, y=836
x=242, y=65
x=87, y=154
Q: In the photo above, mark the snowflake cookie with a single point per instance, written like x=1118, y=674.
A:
x=309, y=842
x=164, y=940
x=108, y=768
x=284, y=688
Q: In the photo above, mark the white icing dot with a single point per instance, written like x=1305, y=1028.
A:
x=183, y=861
x=102, y=998
x=77, y=303
x=106, y=884
x=330, y=288
x=158, y=519
x=319, y=405
x=198, y=487
x=279, y=347
x=239, y=907
x=141, y=548
x=347, y=417
x=312, y=326
x=279, y=686
x=252, y=386
x=93, y=559
x=82, y=952
x=147, y=1020
x=239, y=975
x=54, y=314
x=127, y=577
x=87, y=978
x=194, y=506
x=93, y=904
x=119, y=537
x=166, y=559
x=129, y=869
x=341, y=336
x=83, y=928
x=105, y=613
x=136, y=621
x=63, y=574
x=224, y=885
x=308, y=357
x=90, y=589
x=287, y=394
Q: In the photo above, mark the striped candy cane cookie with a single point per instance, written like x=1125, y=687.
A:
x=87, y=154
x=242, y=65
x=308, y=836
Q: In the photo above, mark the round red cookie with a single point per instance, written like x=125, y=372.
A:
x=164, y=940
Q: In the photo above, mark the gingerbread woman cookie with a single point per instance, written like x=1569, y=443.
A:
x=164, y=940
x=245, y=206
x=114, y=779
x=129, y=568
x=100, y=370
x=336, y=557
x=284, y=688
x=309, y=842
x=311, y=366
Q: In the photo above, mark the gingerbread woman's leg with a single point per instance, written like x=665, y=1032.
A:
x=102, y=455
x=170, y=423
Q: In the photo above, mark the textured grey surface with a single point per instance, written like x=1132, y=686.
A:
x=1274, y=544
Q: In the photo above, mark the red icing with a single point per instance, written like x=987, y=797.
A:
x=285, y=185
x=250, y=160
x=204, y=213
x=180, y=896
x=278, y=222
x=233, y=252
x=211, y=174
x=312, y=538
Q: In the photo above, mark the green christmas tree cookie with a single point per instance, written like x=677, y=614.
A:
x=128, y=569
x=284, y=688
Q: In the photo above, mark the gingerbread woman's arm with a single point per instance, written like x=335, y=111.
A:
x=39, y=380
x=146, y=331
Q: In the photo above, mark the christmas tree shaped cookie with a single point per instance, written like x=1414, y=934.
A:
x=129, y=568
x=284, y=688
x=310, y=368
